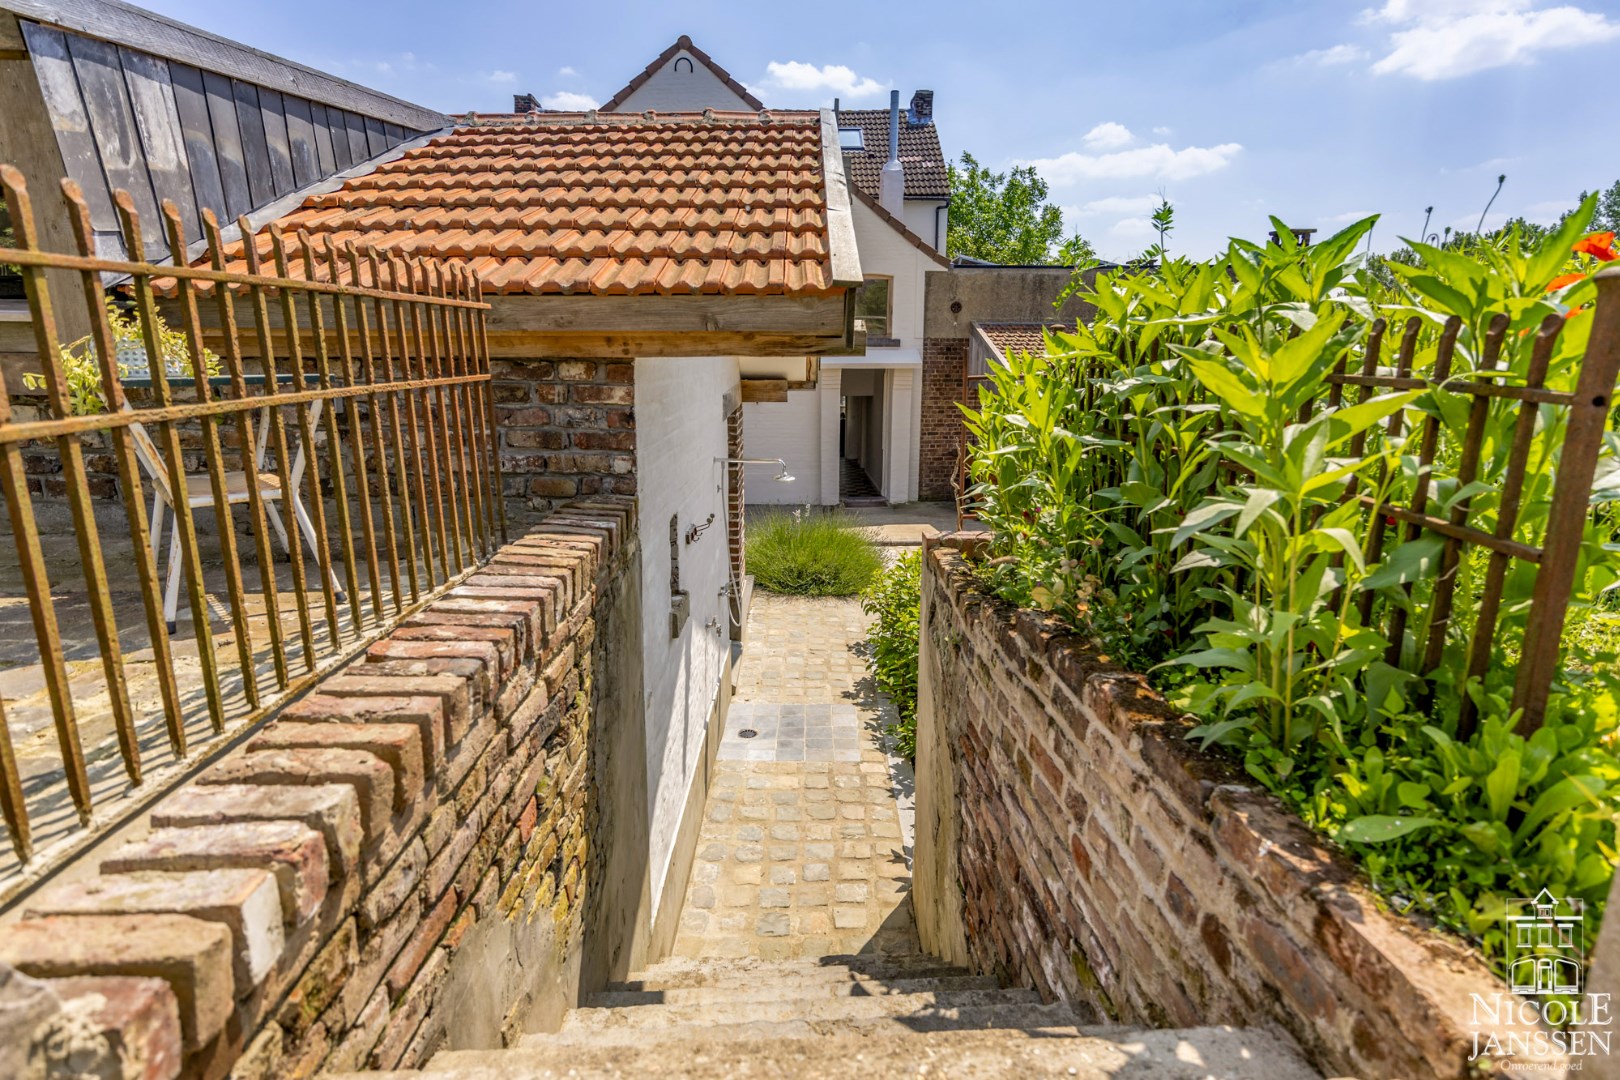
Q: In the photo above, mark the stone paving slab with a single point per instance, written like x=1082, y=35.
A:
x=803, y=851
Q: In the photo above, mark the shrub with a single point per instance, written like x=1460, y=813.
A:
x=804, y=553
x=895, y=597
x=1183, y=480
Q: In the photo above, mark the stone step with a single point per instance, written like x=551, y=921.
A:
x=811, y=1010
x=686, y=972
x=854, y=986
x=1107, y=1054
x=793, y=1024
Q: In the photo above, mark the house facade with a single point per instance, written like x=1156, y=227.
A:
x=848, y=426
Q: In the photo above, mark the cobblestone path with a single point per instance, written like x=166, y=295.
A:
x=806, y=841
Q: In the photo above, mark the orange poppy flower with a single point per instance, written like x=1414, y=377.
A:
x=1599, y=245
x=1564, y=279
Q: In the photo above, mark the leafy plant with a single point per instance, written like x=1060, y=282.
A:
x=894, y=597
x=82, y=370
x=807, y=553
x=1187, y=480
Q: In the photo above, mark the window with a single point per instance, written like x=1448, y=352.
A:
x=852, y=138
x=872, y=309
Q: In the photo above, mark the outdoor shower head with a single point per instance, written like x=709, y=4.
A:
x=782, y=476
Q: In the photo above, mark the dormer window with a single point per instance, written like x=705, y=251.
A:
x=852, y=138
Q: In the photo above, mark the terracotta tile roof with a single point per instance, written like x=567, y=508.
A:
x=682, y=42
x=920, y=153
x=609, y=204
x=1010, y=338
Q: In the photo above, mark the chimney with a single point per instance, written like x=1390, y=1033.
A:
x=524, y=103
x=922, y=107
x=892, y=183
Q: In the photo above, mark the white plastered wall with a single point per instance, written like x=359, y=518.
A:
x=692, y=88
x=680, y=431
x=790, y=430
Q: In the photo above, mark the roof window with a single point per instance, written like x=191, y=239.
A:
x=852, y=138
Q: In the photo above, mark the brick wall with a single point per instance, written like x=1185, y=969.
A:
x=567, y=429
x=1070, y=838
x=940, y=437
x=735, y=518
x=329, y=896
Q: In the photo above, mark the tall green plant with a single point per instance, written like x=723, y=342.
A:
x=1188, y=479
x=894, y=598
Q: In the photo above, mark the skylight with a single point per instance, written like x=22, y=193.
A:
x=852, y=138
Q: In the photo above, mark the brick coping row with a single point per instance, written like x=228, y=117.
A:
x=241, y=906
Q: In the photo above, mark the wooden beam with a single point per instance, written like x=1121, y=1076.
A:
x=648, y=344
x=764, y=390
x=821, y=316
x=845, y=256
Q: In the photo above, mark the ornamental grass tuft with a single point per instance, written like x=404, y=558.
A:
x=807, y=553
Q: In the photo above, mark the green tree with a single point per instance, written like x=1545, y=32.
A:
x=1607, y=218
x=1077, y=252
x=1004, y=217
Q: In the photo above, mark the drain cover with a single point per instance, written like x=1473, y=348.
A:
x=748, y=733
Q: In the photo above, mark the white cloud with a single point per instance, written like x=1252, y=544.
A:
x=1547, y=212
x=1108, y=136
x=502, y=76
x=1158, y=161
x=566, y=73
x=568, y=101
x=1333, y=56
x=1133, y=229
x=795, y=76
x=1117, y=204
x=1348, y=217
x=1446, y=39
x=404, y=63
x=1162, y=132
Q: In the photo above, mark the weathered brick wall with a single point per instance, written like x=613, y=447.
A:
x=567, y=429
x=940, y=437
x=1070, y=838
x=312, y=900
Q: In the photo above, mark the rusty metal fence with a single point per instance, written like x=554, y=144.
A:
x=348, y=390
x=1505, y=488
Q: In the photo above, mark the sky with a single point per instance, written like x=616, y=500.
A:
x=1317, y=111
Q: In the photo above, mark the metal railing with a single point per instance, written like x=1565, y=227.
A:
x=350, y=386
x=1510, y=488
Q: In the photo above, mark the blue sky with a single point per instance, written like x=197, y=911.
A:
x=1314, y=110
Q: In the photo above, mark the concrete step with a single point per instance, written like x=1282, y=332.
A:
x=1107, y=1054
x=865, y=1019
x=811, y=1010
x=854, y=986
x=685, y=972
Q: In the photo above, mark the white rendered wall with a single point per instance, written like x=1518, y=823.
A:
x=680, y=431
x=919, y=218
x=901, y=484
x=828, y=395
x=669, y=90
x=790, y=430
x=886, y=252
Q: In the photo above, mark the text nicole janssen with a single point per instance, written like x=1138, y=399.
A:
x=1535, y=1028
